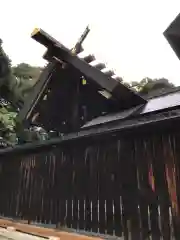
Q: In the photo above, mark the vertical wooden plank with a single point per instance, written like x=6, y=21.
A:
x=54, y=191
x=14, y=184
x=109, y=183
x=134, y=219
x=2, y=178
x=34, y=191
x=59, y=185
x=11, y=190
x=9, y=186
x=170, y=177
x=34, y=204
x=62, y=209
x=123, y=197
x=75, y=189
x=91, y=188
x=27, y=162
x=18, y=196
x=152, y=191
x=46, y=173
x=54, y=218
x=88, y=214
x=4, y=189
x=51, y=185
x=82, y=190
x=69, y=174
x=129, y=190
x=37, y=184
x=102, y=196
x=50, y=172
x=161, y=186
x=176, y=150
x=30, y=212
x=46, y=190
x=22, y=187
x=64, y=190
x=82, y=181
x=117, y=190
x=142, y=181
x=77, y=183
x=94, y=187
x=173, y=177
x=38, y=170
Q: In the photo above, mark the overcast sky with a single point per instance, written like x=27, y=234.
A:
x=125, y=34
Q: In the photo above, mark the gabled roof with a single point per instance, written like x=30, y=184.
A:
x=104, y=90
x=127, y=98
x=129, y=103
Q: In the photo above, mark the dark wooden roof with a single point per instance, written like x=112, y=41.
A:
x=172, y=34
x=127, y=98
x=103, y=93
x=122, y=103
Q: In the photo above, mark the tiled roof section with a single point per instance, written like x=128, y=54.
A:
x=163, y=102
x=113, y=117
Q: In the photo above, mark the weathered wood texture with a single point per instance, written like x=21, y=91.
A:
x=123, y=186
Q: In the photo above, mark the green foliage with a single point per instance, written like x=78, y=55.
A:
x=7, y=119
x=26, y=71
x=148, y=85
x=5, y=66
x=23, y=79
x=20, y=88
x=16, y=82
x=8, y=123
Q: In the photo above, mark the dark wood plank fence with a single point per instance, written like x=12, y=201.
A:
x=124, y=186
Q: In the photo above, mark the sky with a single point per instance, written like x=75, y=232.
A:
x=125, y=34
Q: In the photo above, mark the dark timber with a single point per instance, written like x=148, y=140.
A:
x=114, y=172
x=172, y=35
x=118, y=90
x=62, y=80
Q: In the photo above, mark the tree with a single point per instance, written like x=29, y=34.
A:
x=15, y=83
x=26, y=71
x=148, y=85
x=25, y=77
x=5, y=66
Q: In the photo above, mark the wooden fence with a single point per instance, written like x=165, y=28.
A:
x=122, y=185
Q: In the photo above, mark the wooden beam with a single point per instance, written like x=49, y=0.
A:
x=127, y=97
x=37, y=92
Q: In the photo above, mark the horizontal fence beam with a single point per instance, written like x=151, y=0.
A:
x=146, y=121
